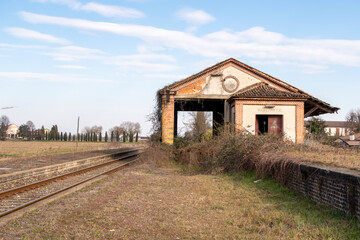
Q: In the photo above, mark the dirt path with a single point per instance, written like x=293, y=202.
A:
x=147, y=202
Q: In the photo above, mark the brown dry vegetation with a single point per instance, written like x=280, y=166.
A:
x=330, y=155
x=157, y=200
x=10, y=149
x=268, y=155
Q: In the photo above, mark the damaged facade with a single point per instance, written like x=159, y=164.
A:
x=242, y=96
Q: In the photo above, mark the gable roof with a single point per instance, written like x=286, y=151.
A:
x=312, y=104
x=263, y=90
x=238, y=63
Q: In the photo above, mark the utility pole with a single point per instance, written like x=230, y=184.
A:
x=77, y=134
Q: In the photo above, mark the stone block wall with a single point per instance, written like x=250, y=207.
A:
x=336, y=187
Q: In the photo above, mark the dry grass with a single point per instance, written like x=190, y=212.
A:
x=10, y=149
x=333, y=156
x=152, y=202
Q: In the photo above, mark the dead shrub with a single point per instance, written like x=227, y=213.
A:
x=157, y=155
x=234, y=152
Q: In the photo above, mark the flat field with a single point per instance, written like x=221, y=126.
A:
x=160, y=201
x=38, y=148
x=329, y=155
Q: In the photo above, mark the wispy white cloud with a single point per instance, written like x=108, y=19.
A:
x=49, y=77
x=112, y=11
x=195, y=17
x=71, y=66
x=74, y=53
x=307, y=68
x=34, y=35
x=254, y=43
x=165, y=76
x=144, y=62
x=74, y=4
x=102, y=9
x=19, y=46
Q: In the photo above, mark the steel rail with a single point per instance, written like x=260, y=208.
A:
x=43, y=182
x=69, y=187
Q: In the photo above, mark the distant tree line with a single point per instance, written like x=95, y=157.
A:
x=125, y=132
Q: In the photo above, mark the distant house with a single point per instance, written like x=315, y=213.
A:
x=350, y=141
x=12, y=131
x=142, y=139
x=337, y=128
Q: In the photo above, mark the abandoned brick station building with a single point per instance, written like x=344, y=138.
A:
x=243, y=96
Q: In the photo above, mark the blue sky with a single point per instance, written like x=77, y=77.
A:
x=105, y=60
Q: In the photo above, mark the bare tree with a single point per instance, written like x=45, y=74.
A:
x=137, y=128
x=128, y=130
x=353, y=119
x=198, y=126
x=4, y=124
x=96, y=129
x=31, y=129
x=5, y=120
x=117, y=131
x=86, y=129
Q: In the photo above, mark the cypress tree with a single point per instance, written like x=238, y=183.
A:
x=112, y=136
x=74, y=139
x=131, y=137
x=46, y=136
x=100, y=137
x=95, y=137
x=65, y=136
x=106, y=136
x=117, y=136
x=69, y=137
x=61, y=136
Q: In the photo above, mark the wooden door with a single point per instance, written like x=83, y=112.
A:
x=275, y=124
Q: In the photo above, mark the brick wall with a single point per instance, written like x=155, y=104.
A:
x=336, y=187
x=168, y=115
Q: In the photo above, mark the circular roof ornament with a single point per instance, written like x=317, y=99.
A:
x=230, y=84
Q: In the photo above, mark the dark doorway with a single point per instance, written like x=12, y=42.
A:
x=262, y=124
x=269, y=124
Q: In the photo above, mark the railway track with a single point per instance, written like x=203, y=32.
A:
x=14, y=199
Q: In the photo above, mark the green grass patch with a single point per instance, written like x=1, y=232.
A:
x=298, y=209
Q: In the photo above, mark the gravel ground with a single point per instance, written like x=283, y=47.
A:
x=24, y=197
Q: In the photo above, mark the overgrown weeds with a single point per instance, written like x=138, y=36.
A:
x=234, y=152
x=157, y=155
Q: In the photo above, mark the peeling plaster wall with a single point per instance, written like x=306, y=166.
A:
x=288, y=112
x=214, y=83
